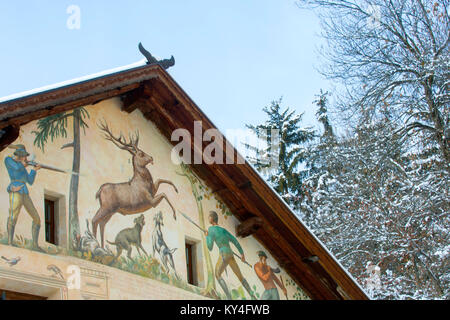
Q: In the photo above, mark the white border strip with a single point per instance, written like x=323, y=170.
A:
x=72, y=81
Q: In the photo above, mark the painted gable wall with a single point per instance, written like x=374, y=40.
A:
x=102, y=162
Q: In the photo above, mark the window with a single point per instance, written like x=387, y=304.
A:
x=190, y=264
x=55, y=218
x=195, y=272
x=50, y=222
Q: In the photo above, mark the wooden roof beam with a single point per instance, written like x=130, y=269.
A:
x=20, y=120
x=131, y=100
x=249, y=227
x=183, y=122
x=8, y=135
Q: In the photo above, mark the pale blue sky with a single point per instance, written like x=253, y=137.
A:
x=232, y=57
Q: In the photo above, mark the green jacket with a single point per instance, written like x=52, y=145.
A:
x=222, y=238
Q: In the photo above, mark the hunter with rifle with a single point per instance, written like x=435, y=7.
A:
x=18, y=192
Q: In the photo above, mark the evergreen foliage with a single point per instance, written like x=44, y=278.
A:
x=283, y=150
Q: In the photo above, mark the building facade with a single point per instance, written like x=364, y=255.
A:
x=104, y=209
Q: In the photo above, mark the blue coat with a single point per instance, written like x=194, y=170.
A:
x=19, y=175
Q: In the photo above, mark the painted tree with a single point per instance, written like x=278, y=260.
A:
x=198, y=190
x=284, y=142
x=54, y=127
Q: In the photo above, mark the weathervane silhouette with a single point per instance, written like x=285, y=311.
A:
x=165, y=63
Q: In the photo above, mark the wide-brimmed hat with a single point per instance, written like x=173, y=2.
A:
x=21, y=151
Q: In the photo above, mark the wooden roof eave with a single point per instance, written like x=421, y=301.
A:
x=22, y=110
x=180, y=112
x=280, y=209
x=160, y=99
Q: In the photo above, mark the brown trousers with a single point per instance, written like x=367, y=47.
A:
x=228, y=260
x=16, y=202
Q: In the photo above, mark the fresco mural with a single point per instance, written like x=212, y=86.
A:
x=135, y=196
x=19, y=195
x=268, y=278
x=54, y=127
x=150, y=205
x=222, y=238
x=160, y=246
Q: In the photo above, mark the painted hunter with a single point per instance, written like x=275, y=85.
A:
x=125, y=183
x=19, y=193
x=117, y=207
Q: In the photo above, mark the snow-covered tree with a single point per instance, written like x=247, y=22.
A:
x=283, y=151
x=391, y=57
x=380, y=193
x=317, y=157
x=374, y=198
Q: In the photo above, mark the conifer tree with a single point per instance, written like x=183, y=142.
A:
x=283, y=152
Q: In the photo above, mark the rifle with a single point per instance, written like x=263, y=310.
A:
x=43, y=166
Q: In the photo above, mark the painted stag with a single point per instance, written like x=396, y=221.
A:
x=135, y=196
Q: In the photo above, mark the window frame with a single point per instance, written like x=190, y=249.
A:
x=51, y=235
x=189, y=251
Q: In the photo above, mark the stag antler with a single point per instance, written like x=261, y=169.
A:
x=121, y=141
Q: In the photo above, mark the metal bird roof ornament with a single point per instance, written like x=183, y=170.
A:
x=165, y=63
